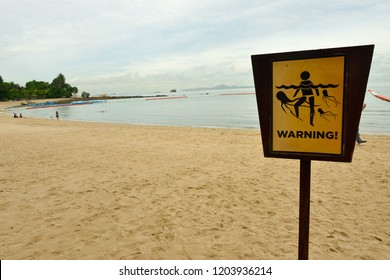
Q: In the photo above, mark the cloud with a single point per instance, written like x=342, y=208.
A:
x=127, y=45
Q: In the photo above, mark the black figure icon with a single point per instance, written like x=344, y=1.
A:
x=326, y=114
x=286, y=102
x=306, y=86
x=307, y=89
x=327, y=98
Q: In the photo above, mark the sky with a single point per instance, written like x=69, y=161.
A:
x=142, y=46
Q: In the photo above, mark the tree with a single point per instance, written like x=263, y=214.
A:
x=37, y=85
x=69, y=91
x=2, y=91
x=36, y=90
x=10, y=91
x=85, y=94
x=56, y=86
x=59, y=88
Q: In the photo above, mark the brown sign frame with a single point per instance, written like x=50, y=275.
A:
x=356, y=72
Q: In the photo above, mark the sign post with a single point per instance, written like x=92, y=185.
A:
x=309, y=105
x=304, y=209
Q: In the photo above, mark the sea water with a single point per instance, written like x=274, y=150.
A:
x=203, y=108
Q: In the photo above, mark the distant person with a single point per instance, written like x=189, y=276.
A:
x=359, y=140
x=57, y=115
x=20, y=115
x=15, y=115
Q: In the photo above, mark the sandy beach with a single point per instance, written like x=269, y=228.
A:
x=76, y=190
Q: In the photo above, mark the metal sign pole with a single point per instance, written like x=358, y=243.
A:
x=304, y=209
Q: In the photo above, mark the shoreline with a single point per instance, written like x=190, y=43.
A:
x=6, y=105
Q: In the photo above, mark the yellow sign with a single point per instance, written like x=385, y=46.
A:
x=307, y=105
x=309, y=102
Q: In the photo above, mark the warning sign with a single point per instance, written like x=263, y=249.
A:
x=307, y=111
x=309, y=102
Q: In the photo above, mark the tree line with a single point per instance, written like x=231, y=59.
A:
x=58, y=88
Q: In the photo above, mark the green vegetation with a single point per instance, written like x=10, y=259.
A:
x=85, y=94
x=58, y=88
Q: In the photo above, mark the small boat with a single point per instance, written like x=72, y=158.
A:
x=165, y=97
x=382, y=97
x=55, y=105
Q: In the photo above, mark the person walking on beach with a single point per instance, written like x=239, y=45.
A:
x=359, y=140
x=57, y=115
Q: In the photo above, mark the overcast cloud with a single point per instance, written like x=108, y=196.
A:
x=136, y=46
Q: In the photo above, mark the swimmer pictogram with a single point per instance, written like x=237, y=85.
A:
x=309, y=92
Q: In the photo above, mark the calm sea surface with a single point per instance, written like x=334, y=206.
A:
x=213, y=108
